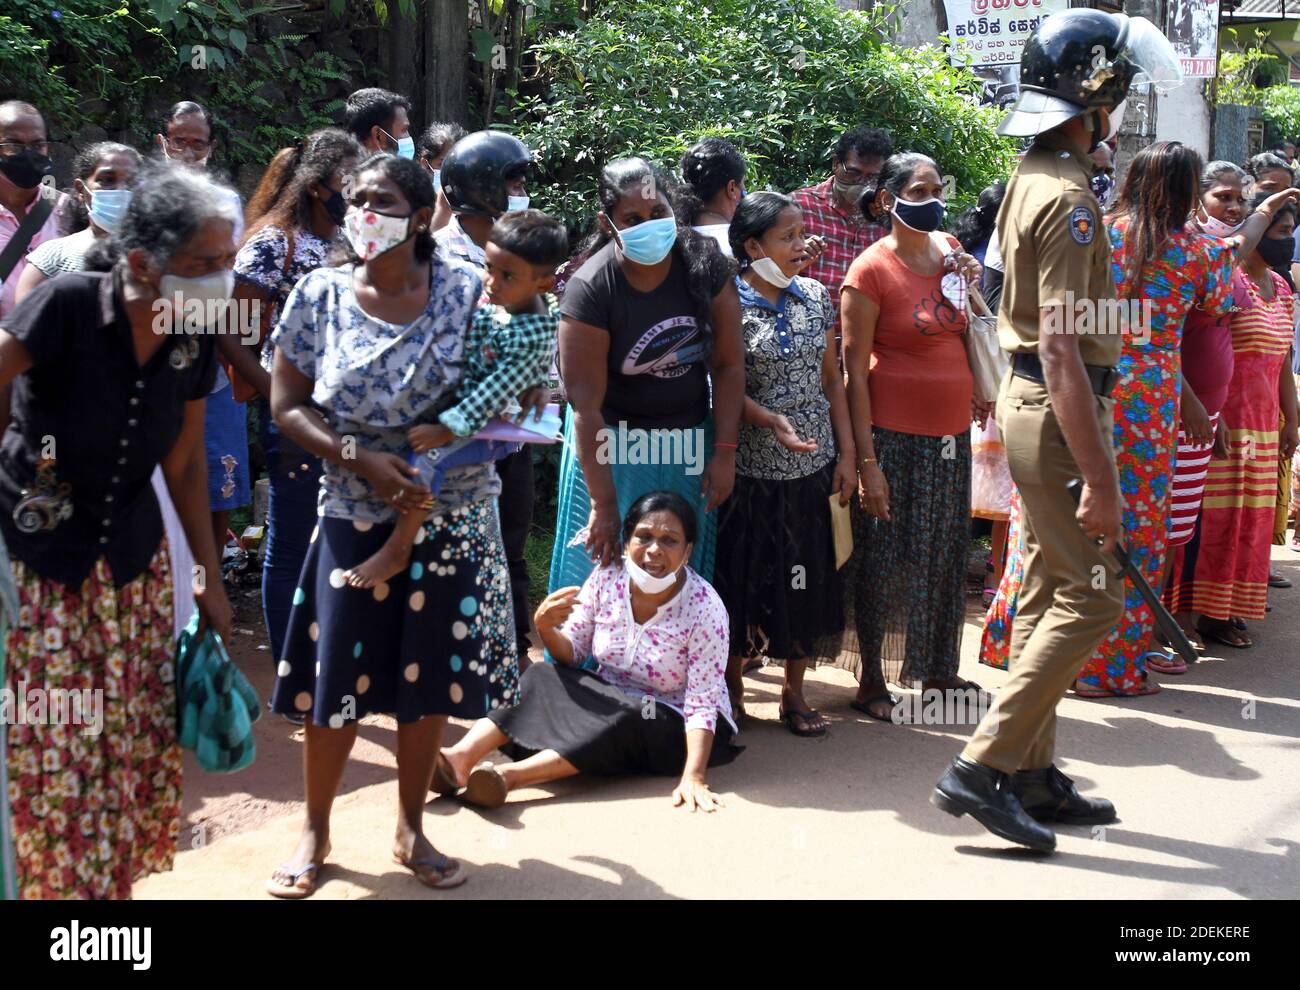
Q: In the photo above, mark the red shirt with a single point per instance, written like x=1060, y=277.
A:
x=920, y=379
x=846, y=235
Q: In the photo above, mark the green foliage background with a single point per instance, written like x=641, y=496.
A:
x=99, y=68
x=782, y=79
x=1280, y=106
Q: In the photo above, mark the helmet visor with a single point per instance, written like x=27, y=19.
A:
x=1152, y=54
x=1036, y=112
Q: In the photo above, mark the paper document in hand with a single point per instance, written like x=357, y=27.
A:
x=534, y=429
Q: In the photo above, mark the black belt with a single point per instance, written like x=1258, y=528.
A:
x=1102, y=380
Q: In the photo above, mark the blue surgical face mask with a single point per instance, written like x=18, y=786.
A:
x=108, y=207
x=437, y=181
x=516, y=203
x=405, y=146
x=925, y=216
x=649, y=242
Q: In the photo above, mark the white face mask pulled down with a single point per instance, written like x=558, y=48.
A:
x=769, y=271
x=1218, y=228
x=646, y=581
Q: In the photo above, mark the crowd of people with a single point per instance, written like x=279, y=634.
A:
x=383, y=295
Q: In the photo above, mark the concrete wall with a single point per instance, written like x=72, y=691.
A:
x=1184, y=115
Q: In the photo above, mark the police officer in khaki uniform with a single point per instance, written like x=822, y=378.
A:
x=1055, y=415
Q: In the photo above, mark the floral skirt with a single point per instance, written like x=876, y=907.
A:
x=437, y=639
x=94, y=770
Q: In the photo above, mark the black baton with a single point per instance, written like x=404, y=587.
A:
x=1177, y=638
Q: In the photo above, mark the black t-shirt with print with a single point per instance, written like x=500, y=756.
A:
x=658, y=352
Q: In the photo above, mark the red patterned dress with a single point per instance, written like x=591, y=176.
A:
x=1223, y=572
x=1192, y=271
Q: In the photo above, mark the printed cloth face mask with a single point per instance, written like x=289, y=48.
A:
x=1103, y=186
x=371, y=233
x=1217, y=228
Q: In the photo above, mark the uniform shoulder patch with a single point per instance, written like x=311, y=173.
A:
x=1081, y=224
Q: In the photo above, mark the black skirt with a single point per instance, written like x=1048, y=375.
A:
x=775, y=569
x=907, y=578
x=436, y=639
x=598, y=728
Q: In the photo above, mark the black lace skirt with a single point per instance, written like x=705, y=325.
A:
x=906, y=581
x=775, y=569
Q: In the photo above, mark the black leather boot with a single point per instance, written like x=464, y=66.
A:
x=1050, y=796
x=970, y=788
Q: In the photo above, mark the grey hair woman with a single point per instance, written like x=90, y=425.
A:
x=107, y=386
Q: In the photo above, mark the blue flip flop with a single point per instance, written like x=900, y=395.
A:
x=1178, y=667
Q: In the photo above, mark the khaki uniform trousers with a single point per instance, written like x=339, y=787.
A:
x=1070, y=597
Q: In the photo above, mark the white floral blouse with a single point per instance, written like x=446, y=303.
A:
x=678, y=657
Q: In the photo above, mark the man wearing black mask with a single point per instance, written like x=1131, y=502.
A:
x=24, y=162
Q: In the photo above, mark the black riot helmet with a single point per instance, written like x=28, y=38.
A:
x=1082, y=59
x=477, y=169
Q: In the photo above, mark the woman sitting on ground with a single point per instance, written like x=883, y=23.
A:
x=657, y=701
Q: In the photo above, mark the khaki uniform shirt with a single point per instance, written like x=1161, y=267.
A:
x=1056, y=251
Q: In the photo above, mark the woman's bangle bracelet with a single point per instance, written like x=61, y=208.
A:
x=869, y=460
x=731, y=445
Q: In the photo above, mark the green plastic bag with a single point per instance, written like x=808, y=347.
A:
x=216, y=706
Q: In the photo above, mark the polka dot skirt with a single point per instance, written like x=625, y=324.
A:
x=437, y=639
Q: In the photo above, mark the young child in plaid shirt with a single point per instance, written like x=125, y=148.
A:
x=508, y=350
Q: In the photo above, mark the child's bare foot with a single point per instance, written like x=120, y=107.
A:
x=388, y=561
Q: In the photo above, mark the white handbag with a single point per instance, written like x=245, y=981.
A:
x=989, y=363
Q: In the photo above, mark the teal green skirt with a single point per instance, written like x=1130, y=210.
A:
x=570, y=565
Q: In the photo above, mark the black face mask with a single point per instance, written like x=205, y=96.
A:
x=26, y=169
x=1277, y=253
x=336, y=206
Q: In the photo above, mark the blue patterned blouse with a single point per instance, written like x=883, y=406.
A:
x=784, y=346
x=374, y=380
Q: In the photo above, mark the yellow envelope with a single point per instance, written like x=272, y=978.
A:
x=841, y=531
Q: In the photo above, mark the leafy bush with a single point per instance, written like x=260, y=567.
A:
x=782, y=79
x=1280, y=106
x=113, y=66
